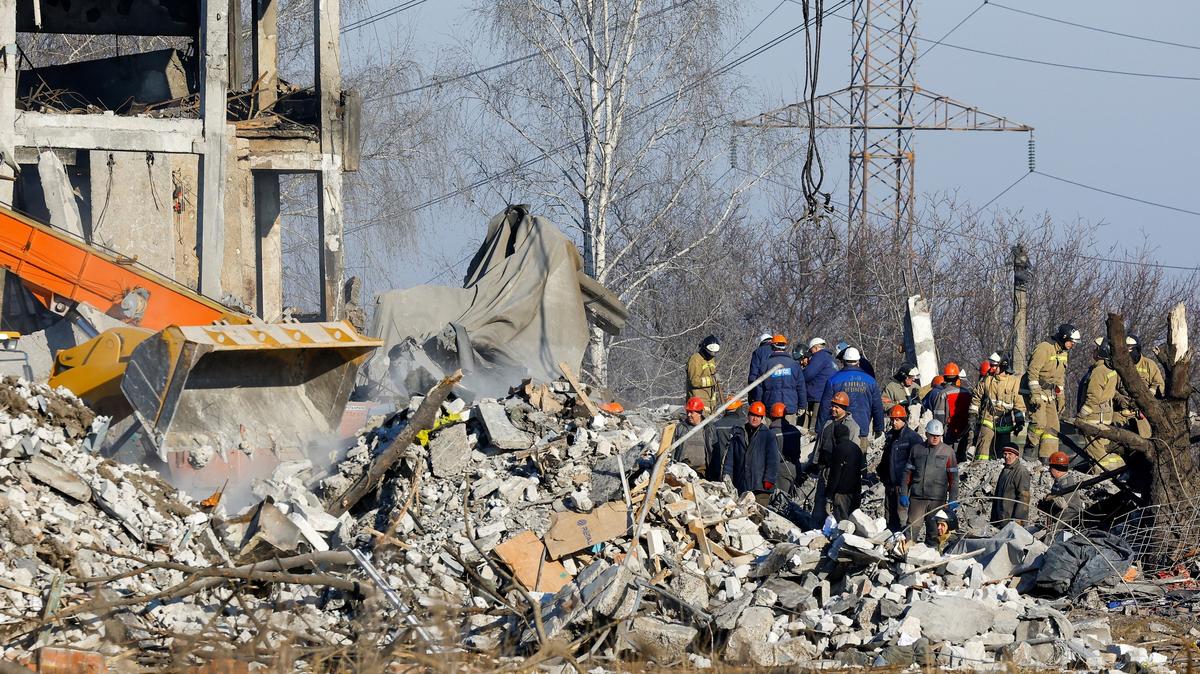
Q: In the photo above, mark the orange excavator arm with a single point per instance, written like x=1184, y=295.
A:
x=56, y=266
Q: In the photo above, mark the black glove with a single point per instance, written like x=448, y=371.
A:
x=1018, y=421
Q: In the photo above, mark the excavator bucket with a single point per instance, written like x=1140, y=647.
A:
x=228, y=402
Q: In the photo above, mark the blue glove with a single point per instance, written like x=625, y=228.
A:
x=953, y=505
x=903, y=500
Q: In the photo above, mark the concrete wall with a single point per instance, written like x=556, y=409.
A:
x=132, y=214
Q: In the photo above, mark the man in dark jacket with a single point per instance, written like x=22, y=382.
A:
x=819, y=368
x=900, y=441
x=865, y=403
x=845, y=474
x=930, y=479
x=729, y=425
x=698, y=451
x=787, y=439
x=752, y=462
x=1063, y=503
x=1011, y=502
x=761, y=353
x=785, y=385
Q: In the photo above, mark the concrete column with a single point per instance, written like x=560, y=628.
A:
x=8, y=96
x=266, y=52
x=1022, y=274
x=269, y=257
x=214, y=66
x=329, y=206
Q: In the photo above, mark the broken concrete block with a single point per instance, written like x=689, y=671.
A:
x=501, y=433
x=58, y=477
x=449, y=451
x=753, y=627
x=660, y=641
x=954, y=619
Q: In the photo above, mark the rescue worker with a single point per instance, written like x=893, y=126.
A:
x=1063, y=502
x=702, y=373
x=839, y=415
x=862, y=360
x=865, y=403
x=1045, y=377
x=951, y=406
x=785, y=385
x=935, y=387
x=998, y=406
x=1099, y=407
x=752, y=463
x=724, y=429
x=945, y=527
x=1010, y=502
x=900, y=441
x=902, y=389
x=787, y=439
x=760, y=355
x=930, y=479
x=1152, y=374
x=844, y=485
x=817, y=371
x=698, y=451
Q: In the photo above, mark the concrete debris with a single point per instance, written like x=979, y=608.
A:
x=507, y=507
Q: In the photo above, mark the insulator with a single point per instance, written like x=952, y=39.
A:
x=1032, y=154
x=733, y=151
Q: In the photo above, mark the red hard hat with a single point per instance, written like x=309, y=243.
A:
x=984, y=368
x=694, y=405
x=758, y=409
x=1060, y=460
x=841, y=399
x=898, y=412
x=778, y=410
x=951, y=370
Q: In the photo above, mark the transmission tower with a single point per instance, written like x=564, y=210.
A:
x=881, y=108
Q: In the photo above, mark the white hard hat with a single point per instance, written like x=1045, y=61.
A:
x=764, y=336
x=816, y=341
x=713, y=347
x=914, y=373
x=850, y=355
x=935, y=427
x=941, y=515
x=1130, y=341
x=995, y=357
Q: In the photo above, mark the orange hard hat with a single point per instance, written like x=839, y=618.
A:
x=758, y=409
x=1060, y=460
x=841, y=399
x=951, y=370
x=778, y=410
x=898, y=412
x=613, y=407
x=938, y=380
x=734, y=403
x=779, y=340
x=694, y=405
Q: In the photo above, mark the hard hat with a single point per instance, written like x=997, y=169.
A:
x=694, y=405
x=995, y=357
x=1135, y=348
x=1060, y=460
x=951, y=370
x=1013, y=449
x=617, y=408
x=938, y=380
x=735, y=403
x=778, y=410
x=816, y=341
x=1067, y=333
x=914, y=372
x=898, y=412
x=764, y=337
x=1104, y=351
x=842, y=345
x=758, y=409
x=941, y=515
x=851, y=355
x=1131, y=340
x=985, y=367
x=712, y=347
x=841, y=399
x=779, y=340
x=935, y=427
x=906, y=370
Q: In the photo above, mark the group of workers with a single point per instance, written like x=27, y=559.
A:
x=835, y=395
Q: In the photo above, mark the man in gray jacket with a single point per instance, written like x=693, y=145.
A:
x=930, y=480
x=1063, y=503
x=1011, y=502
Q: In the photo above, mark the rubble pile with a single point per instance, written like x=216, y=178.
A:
x=509, y=526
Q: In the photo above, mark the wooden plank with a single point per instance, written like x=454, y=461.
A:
x=583, y=396
x=702, y=543
x=214, y=65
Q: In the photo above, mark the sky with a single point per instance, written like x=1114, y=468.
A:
x=1121, y=133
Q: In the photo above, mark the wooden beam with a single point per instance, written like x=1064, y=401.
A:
x=8, y=93
x=109, y=132
x=326, y=27
x=265, y=29
x=214, y=68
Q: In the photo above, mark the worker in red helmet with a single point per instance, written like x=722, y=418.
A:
x=1063, y=504
x=698, y=450
x=752, y=462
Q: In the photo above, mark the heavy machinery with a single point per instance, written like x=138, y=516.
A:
x=215, y=390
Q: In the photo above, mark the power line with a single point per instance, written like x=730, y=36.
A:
x=1070, y=66
x=1118, y=194
x=390, y=12
x=1094, y=28
x=951, y=31
x=777, y=40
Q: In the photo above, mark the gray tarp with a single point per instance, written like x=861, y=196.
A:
x=521, y=306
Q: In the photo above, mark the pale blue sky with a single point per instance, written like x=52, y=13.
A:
x=1123, y=133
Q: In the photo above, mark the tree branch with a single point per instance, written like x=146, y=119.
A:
x=1118, y=435
x=1123, y=364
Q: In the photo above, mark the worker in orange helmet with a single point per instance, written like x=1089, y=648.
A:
x=900, y=439
x=952, y=408
x=752, y=462
x=822, y=456
x=697, y=451
x=1063, y=504
x=787, y=438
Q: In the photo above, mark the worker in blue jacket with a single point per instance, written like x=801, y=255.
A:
x=785, y=385
x=752, y=462
x=817, y=371
x=866, y=406
x=761, y=353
